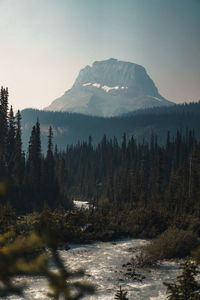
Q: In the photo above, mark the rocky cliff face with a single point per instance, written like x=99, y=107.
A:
x=110, y=88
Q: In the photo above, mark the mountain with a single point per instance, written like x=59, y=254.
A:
x=69, y=128
x=110, y=88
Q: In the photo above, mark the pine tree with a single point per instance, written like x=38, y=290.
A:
x=124, y=147
x=194, y=175
x=186, y=287
x=3, y=129
x=50, y=158
x=50, y=185
x=18, y=160
x=121, y=294
x=11, y=139
x=34, y=163
x=34, y=155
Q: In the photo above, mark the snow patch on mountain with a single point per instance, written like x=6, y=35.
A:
x=86, y=84
x=110, y=88
x=157, y=99
x=96, y=85
x=105, y=87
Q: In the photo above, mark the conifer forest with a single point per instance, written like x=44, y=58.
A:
x=135, y=189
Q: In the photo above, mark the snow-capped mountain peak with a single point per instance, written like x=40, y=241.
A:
x=110, y=88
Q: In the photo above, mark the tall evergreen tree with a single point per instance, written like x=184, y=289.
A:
x=18, y=161
x=51, y=192
x=186, y=287
x=3, y=129
x=34, y=167
x=11, y=140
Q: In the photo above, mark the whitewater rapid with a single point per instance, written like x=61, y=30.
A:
x=103, y=263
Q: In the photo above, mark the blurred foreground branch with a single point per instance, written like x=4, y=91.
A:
x=28, y=256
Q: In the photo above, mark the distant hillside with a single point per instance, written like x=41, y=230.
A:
x=69, y=128
x=109, y=88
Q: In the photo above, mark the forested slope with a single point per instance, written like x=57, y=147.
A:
x=69, y=128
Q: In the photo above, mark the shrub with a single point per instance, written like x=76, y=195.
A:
x=196, y=255
x=172, y=243
x=143, y=260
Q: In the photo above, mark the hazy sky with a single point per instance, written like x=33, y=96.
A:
x=45, y=43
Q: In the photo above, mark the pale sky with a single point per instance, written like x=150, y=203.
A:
x=45, y=43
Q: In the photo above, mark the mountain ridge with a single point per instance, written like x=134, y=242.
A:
x=110, y=88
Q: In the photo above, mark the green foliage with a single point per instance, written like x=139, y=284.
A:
x=27, y=256
x=144, y=260
x=172, y=243
x=8, y=217
x=186, y=286
x=196, y=255
x=121, y=294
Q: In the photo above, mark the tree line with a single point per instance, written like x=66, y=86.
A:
x=139, y=175
x=28, y=180
x=71, y=127
x=163, y=181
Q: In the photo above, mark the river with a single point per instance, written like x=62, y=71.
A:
x=102, y=262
